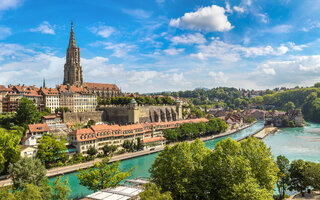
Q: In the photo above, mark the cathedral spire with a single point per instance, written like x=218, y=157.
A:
x=72, y=40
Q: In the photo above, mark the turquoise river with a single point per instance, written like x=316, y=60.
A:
x=294, y=143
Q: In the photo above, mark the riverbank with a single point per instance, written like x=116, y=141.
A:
x=265, y=132
x=72, y=168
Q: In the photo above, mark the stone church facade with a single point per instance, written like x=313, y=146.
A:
x=73, y=74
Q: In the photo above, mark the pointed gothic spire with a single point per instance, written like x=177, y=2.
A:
x=72, y=41
x=44, y=83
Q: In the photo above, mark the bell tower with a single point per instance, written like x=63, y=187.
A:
x=72, y=68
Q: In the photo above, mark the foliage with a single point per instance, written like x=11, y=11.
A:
x=27, y=171
x=153, y=192
x=29, y=175
x=298, y=181
x=139, y=145
x=244, y=170
x=103, y=175
x=45, y=112
x=107, y=150
x=51, y=151
x=92, y=151
x=27, y=112
x=9, y=149
x=176, y=169
x=283, y=175
x=77, y=158
x=250, y=119
x=289, y=106
x=90, y=123
x=61, y=110
x=128, y=145
x=191, y=131
x=61, y=189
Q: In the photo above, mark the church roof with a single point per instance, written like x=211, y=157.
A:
x=101, y=86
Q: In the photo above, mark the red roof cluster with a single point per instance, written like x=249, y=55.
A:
x=36, y=128
x=105, y=130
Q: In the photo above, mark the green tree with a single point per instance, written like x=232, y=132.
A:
x=61, y=189
x=289, y=106
x=45, y=112
x=32, y=192
x=283, y=175
x=90, y=123
x=9, y=149
x=170, y=135
x=51, y=151
x=29, y=174
x=128, y=145
x=78, y=157
x=298, y=180
x=229, y=172
x=107, y=150
x=92, y=151
x=103, y=175
x=176, y=169
x=317, y=85
x=152, y=192
x=139, y=144
x=27, y=112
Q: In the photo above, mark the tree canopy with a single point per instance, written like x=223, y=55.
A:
x=27, y=112
x=9, y=149
x=103, y=175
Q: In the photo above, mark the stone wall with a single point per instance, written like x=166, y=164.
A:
x=116, y=114
x=83, y=117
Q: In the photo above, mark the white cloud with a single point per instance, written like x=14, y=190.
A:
x=102, y=30
x=137, y=13
x=208, y=19
x=239, y=9
x=233, y=52
x=218, y=77
x=4, y=32
x=8, y=4
x=228, y=8
x=173, y=51
x=196, y=38
x=263, y=17
x=120, y=50
x=45, y=28
x=283, y=28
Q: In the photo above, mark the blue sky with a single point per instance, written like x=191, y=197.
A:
x=163, y=45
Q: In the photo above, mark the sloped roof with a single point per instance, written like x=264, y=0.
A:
x=101, y=86
x=35, y=128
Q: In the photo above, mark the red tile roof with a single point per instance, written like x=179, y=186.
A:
x=35, y=128
x=3, y=88
x=154, y=139
x=101, y=86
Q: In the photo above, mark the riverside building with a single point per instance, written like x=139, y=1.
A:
x=98, y=136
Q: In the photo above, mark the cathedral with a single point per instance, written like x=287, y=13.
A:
x=73, y=75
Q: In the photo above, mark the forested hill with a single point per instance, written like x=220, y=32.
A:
x=307, y=99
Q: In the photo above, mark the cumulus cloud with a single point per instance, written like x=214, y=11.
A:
x=238, y=9
x=196, y=38
x=4, y=32
x=102, y=30
x=233, y=52
x=8, y=4
x=218, y=77
x=137, y=13
x=120, y=50
x=45, y=28
x=208, y=19
x=173, y=51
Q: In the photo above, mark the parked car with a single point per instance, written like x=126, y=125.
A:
x=152, y=149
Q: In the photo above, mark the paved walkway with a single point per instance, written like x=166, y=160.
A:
x=264, y=132
x=67, y=169
x=315, y=195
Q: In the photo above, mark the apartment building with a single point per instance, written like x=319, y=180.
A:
x=99, y=135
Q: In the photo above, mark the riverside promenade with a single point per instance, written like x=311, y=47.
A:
x=67, y=169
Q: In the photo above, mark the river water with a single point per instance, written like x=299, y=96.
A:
x=294, y=143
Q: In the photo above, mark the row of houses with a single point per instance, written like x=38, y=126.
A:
x=99, y=135
x=77, y=99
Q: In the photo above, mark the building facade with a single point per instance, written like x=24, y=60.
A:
x=72, y=68
x=98, y=136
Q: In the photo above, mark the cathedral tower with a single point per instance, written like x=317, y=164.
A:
x=72, y=68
